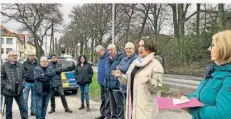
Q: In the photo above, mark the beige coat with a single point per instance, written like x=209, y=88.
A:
x=147, y=85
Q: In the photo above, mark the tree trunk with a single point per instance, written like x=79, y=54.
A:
x=144, y=20
x=155, y=19
x=175, y=23
x=221, y=17
x=81, y=47
x=181, y=19
x=92, y=50
x=198, y=21
x=205, y=19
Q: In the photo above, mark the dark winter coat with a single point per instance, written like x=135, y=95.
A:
x=84, y=74
x=12, y=78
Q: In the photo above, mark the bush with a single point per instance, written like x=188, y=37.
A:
x=94, y=90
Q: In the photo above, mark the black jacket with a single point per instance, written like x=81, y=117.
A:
x=29, y=70
x=84, y=74
x=12, y=78
x=43, y=77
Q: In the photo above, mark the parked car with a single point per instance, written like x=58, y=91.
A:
x=68, y=78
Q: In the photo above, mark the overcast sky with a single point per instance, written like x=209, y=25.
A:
x=66, y=9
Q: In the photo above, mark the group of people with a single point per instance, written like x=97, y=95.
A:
x=129, y=79
x=43, y=79
x=138, y=80
x=129, y=82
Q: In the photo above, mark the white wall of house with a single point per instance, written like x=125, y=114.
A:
x=9, y=43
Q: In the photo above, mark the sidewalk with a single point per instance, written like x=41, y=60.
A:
x=74, y=103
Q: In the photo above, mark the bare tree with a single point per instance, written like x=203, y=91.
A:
x=35, y=18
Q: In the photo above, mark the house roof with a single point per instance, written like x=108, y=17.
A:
x=6, y=32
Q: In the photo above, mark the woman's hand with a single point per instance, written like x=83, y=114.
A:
x=116, y=72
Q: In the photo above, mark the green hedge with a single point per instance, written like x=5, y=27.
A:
x=94, y=91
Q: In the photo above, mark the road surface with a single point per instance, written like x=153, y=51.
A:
x=74, y=103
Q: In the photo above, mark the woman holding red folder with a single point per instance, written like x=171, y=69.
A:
x=215, y=90
x=144, y=80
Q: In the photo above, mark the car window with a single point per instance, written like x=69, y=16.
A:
x=66, y=63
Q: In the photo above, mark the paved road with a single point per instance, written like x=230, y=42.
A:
x=74, y=103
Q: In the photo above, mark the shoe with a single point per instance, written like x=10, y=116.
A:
x=100, y=117
x=88, y=108
x=32, y=114
x=81, y=107
x=51, y=111
x=68, y=110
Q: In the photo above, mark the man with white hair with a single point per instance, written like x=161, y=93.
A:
x=114, y=100
x=43, y=84
x=125, y=63
x=12, y=77
x=102, y=69
x=29, y=66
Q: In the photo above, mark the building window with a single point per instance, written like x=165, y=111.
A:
x=8, y=49
x=2, y=40
x=9, y=41
x=2, y=50
x=3, y=31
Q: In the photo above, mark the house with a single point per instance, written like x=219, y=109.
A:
x=29, y=48
x=11, y=41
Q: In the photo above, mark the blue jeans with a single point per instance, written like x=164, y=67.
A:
x=84, y=89
x=21, y=104
x=28, y=87
x=41, y=102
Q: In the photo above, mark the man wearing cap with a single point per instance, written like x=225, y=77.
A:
x=57, y=84
x=12, y=84
x=29, y=66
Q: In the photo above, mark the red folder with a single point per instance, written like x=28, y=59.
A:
x=165, y=103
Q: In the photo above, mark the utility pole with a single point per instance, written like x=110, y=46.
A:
x=113, y=23
x=46, y=46
x=56, y=45
x=52, y=38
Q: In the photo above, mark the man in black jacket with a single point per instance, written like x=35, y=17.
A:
x=57, y=84
x=12, y=77
x=29, y=67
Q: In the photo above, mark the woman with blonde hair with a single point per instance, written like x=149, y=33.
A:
x=144, y=80
x=215, y=90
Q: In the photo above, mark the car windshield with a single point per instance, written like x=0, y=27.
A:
x=67, y=63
